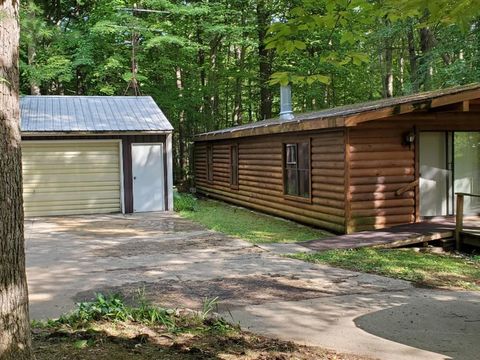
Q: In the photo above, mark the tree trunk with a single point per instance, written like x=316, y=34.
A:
x=214, y=85
x=412, y=55
x=427, y=43
x=388, y=75
x=14, y=322
x=31, y=54
x=238, y=108
x=265, y=61
x=181, y=126
x=205, y=108
x=388, y=70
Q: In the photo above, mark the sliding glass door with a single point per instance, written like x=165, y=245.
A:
x=434, y=173
x=467, y=168
x=449, y=163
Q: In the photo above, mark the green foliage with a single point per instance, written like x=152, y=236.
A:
x=82, y=344
x=103, y=308
x=458, y=12
x=248, y=225
x=215, y=64
x=338, y=34
x=208, y=306
x=423, y=268
x=329, y=28
x=184, y=202
x=112, y=308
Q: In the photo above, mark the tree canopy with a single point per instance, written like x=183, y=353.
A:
x=218, y=63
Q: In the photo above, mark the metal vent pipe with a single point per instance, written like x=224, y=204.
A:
x=286, y=112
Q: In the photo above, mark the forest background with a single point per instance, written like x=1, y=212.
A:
x=211, y=64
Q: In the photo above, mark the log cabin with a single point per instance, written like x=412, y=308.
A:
x=351, y=168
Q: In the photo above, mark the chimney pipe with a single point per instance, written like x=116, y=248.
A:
x=286, y=112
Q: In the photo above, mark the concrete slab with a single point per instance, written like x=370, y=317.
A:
x=411, y=324
x=284, y=249
x=177, y=263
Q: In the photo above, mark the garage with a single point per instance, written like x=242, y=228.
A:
x=95, y=155
x=71, y=177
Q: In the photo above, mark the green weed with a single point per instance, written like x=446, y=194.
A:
x=184, y=202
x=208, y=306
x=112, y=308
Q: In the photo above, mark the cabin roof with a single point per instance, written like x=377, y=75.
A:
x=45, y=114
x=350, y=115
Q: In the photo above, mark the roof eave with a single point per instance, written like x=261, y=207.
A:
x=95, y=133
x=419, y=106
x=305, y=125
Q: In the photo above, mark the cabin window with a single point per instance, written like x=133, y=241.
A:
x=297, y=169
x=234, y=166
x=209, y=163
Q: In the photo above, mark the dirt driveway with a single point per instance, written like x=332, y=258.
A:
x=174, y=262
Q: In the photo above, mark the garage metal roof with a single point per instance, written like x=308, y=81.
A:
x=42, y=114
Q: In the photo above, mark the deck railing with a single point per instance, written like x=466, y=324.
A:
x=459, y=216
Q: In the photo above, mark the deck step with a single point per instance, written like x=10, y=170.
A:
x=471, y=238
x=418, y=239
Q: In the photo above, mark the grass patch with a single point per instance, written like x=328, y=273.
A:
x=108, y=329
x=184, y=202
x=249, y=225
x=433, y=270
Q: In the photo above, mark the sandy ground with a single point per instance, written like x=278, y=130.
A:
x=174, y=262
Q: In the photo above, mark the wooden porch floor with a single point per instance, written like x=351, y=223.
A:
x=396, y=236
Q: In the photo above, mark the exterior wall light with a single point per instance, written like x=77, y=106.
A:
x=409, y=139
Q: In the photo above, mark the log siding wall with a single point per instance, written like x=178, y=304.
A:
x=380, y=164
x=355, y=171
x=261, y=177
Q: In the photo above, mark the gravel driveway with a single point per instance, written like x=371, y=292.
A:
x=174, y=262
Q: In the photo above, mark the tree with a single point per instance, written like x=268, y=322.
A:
x=14, y=322
x=208, y=63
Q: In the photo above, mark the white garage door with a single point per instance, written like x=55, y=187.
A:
x=71, y=177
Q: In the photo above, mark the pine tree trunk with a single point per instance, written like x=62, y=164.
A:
x=14, y=322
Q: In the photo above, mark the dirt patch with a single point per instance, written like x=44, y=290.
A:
x=126, y=341
x=191, y=242
x=231, y=292
x=113, y=226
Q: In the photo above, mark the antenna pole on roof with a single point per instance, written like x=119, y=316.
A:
x=133, y=83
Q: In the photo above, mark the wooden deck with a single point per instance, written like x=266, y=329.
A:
x=397, y=236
